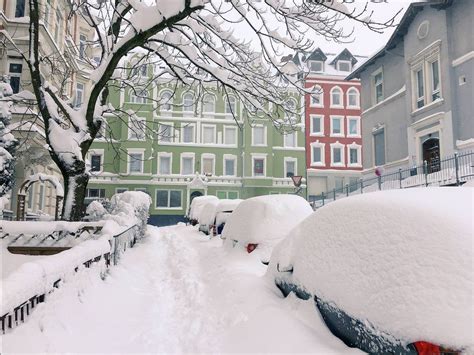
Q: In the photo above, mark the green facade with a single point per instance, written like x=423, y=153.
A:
x=185, y=151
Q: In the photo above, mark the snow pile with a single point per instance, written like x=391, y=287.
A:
x=265, y=220
x=131, y=207
x=197, y=206
x=403, y=263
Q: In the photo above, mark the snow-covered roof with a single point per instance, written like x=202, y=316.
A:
x=400, y=260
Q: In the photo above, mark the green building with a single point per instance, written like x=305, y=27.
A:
x=174, y=149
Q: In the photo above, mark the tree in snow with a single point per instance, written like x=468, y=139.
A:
x=8, y=143
x=234, y=44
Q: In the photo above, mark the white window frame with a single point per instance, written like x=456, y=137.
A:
x=321, y=132
x=136, y=98
x=213, y=111
x=142, y=160
x=333, y=105
x=96, y=152
x=310, y=62
x=82, y=44
x=374, y=133
x=357, y=119
x=235, y=135
x=374, y=85
x=165, y=155
x=286, y=160
x=357, y=94
x=358, y=147
x=322, y=146
x=344, y=62
x=78, y=103
x=285, y=136
x=229, y=157
x=188, y=110
x=259, y=156
x=194, y=133
x=163, y=103
x=133, y=126
x=161, y=131
x=208, y=156
x=169, y=199
x=264, y=136
x=214, y=140
x=317, y=90
x=332, y=118
x=415, y=82
x=338, y=145
x=432, y=91
x=228, y=105
x=187, y=155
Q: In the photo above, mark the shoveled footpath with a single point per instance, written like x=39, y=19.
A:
x=176, y=292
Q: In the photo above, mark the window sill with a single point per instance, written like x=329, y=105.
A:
x=338, y=135
x=354, y=136
x=358, y=165
x=338, y=165
x=336, y=106
x=320, y=134
x=353, y=107
x=316, y=106
x=169, y=208
x=318, y=164
x=428, y=107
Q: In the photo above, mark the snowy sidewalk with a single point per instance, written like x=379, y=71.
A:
x=180, y=292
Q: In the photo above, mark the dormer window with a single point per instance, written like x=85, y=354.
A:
x=316, y=66
x=344, y=65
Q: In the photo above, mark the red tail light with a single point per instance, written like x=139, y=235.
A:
x=251, y=247
x=425, y=348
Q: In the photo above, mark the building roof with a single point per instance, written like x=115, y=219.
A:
x=400, y=31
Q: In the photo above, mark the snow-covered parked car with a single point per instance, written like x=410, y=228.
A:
x=259, y=223
x=390, y=272
x=196, y=207
x=207, y=216
x=214, y=215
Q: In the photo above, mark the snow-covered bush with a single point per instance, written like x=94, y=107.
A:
x=95, y=211
x=131, y=206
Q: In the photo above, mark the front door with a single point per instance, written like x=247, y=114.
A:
x=431, y=154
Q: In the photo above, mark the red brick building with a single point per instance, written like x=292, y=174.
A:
x=332, y=120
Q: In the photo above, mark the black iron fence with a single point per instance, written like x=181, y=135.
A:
x=451, y=171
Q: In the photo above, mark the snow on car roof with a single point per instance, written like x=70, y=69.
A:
x=197, y=204
x=208, y=213
x=227, y=205
x=265, y=220
x=400, y=259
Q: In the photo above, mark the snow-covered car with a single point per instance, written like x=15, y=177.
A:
x=390, y=272
x=223, y=210
x=207, y=216
x=196, y=207
x=259, y=223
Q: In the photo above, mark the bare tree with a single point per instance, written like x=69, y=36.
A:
x=234, y=44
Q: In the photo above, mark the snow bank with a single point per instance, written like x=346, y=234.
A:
x=401, y=260
x=30, y=228
x=265, y=220
x=131, y=207
x=197, y=206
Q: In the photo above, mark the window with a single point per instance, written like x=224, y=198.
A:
x=136, y=128
x=344, y=65
x=96, y=162
x=120, y=190
x=138, y=96
x=337, y=126
x=231, y=195
x=165, y=134
x=419, y=88
x=188, y=103
x=317, y=97
x=209, y=134
x=95, y=193
x=142, y=189
x=47, y=7
x=143, y=70
x=379, y=147
x=207, y=165
x=435, y=83
x=316, y=66
x=168, y=198
x=79, y=94
x=317, y=157
x=231, y=106
x=166, y=101
x=229, y=165
x=258, y=166
x=317, y=125
x=101, y=133
x=135, y=163
x=208, y=104
x=188, y=134
x=164, y=163
x=336, y=97
x=58, y=31
x=378, y=86
x=337, y=154
x=354, y=156
x=290, y=139
x=15, y=76
x=41, y=198
x=353, y=124
x=20, y=8
x=290, y=168
x=230, y=135
x=353, y=98
x=187, y=165
x=258, y=136
x=82, y=46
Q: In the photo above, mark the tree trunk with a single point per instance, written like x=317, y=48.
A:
x=74, y=193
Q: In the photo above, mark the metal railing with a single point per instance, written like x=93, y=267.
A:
x=451, y=171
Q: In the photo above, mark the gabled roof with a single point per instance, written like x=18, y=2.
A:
x=317, y=55
x=345, y=55
x=401, y=31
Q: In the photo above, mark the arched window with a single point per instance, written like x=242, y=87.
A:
x=208, y=104
x=166, y=100
x=231, y=105
x=188, y=102
x=336, y=97
x=353, y=97
x=317, y=97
